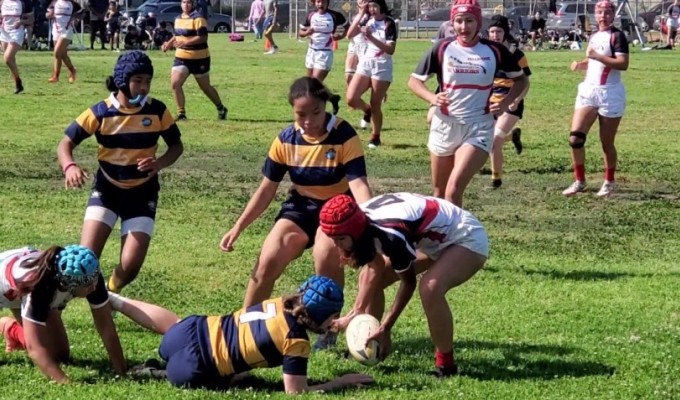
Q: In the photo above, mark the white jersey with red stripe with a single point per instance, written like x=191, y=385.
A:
x=466, y=73
x=359, y=41
x=11, y=11
x=608, y=43
x=324, y=25
x=63, y=14
x=384, y=30
x=404, y=222
x=10, y=261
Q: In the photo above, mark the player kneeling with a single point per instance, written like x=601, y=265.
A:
x=210, y=351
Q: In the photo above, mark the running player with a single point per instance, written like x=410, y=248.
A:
x=12, y=34
x=63, y=14
x=461, y=132
x=398, y=236
x=320, y=26
x=323, y=156
x=192, y=57
x=499, y=32
x=36, y=286
x=374, y=69
x=601, y=96
x=127, y=126
x=211, y=351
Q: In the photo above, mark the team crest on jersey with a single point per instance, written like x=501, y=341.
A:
x=331, y=154
x=146, y=122
x=457, y=66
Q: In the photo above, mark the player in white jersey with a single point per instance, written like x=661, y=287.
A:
x=374, y=68
x=320, y=27
x=411, y=234
x=62, y=14
x=461, y=131
x=356, y=44
x=36, y=286
x=12, y=34
x=601, y=96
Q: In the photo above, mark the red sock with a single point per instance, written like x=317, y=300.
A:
x=15, y=334
x=580, y=172
x=609, y=174
x=444, y=359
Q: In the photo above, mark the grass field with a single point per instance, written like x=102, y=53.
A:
x=579, y=299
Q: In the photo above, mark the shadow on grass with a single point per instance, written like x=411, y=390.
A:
x=520, y=360
x=587, y=275
x=263, y=120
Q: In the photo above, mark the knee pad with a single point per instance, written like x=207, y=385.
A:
x=577, y=139
x=497, y=132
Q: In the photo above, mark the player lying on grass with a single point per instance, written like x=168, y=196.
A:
x=36, y=286
x=397, y=236
x=211, y=351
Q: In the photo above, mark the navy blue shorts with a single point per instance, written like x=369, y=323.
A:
x=140, y=201
x=268, y=25
x=195, y=67
x=186, y=364
x=519, y=111
x=304, y=212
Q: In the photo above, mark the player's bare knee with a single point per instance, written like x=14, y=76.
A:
x=429, y=289
x=577, y=139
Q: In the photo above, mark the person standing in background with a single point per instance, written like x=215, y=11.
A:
x=256, y=17
x=98, y=9
x=269, y=24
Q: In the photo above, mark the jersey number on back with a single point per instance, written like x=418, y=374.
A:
x=384, y=200
x=258, y=315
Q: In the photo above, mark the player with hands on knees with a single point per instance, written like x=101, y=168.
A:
x=127, y=126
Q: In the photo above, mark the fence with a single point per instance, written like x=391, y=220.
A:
x=416, y=18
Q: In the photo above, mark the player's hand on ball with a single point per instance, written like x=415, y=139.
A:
x=340, y=324
x=75, y=177
x=227, y=243
x=356, y=379
x=384, y=339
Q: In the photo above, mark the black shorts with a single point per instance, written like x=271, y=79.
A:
x=195, y=67
x=131, y=203
x=304, y=212
x=519, y=111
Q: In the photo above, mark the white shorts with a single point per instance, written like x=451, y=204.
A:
x=350, y=48
x=104, y=215
x=65, y=34
x=379, y=69
x=447, y=134
x=469, y=233
x=610, y=100
x=672, y=23
x=15, y=36
x=319, y=59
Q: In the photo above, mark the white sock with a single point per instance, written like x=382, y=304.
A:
x=116, y=301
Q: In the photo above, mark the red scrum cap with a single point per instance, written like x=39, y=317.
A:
x=341, y=215
x=467, y=7
x=606, y=4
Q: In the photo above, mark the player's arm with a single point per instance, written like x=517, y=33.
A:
x=294, y=384
x=355, y=28
x=37, y=342
x=388, y=47
x=103, y=322
x=618, y=61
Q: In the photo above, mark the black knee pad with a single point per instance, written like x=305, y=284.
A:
x=577, y=139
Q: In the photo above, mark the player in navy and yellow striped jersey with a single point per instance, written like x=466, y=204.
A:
x=499, y=31
x=127, y=126
x=191, y=57
x=323, y=156
x=209, y=351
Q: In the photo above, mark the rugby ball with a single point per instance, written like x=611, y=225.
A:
x=358, y=330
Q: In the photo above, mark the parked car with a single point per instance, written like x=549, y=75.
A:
x=168, y=11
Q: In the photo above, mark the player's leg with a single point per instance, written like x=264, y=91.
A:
x=59, y=48
x=378, y=91
x=453, y=267
x=100, y=216
x=13, y=332
x=285, y=242
x=150, y=316
x=178, y=76
x=469, y=160
x=502, y=129
x=11, y=50
x=203, y=81
x=360, y=83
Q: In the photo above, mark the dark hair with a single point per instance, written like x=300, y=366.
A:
x=44, y=265
x=363, y=249
x=312, y=87
x=382, y=4
x=293, y=305
x=111, y=84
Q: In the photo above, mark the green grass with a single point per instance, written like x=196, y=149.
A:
x=579, y=298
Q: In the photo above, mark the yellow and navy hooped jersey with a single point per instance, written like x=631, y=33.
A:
x=188, y=27
x=502, y=84
x=260, y=336
x=319, y=168
x=124, y=136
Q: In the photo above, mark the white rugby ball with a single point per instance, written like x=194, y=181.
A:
x=358, y=330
